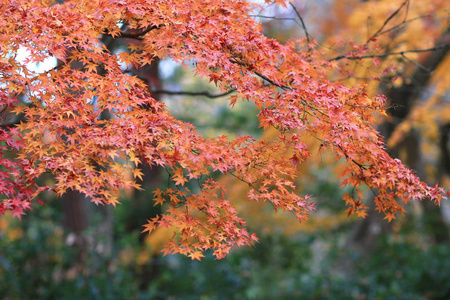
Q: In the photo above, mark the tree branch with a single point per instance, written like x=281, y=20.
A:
x=276, y=18
x=403, y=96
x=415, y=63
x=389, y=54
x=284, y=87
x=406, y=2
x=301, y=24
x=187, y=93
x=301, y=20
x=411, y=20
x=137, y=35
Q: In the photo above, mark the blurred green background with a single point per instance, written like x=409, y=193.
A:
x=39, y=259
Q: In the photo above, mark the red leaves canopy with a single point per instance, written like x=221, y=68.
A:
x=64, y=135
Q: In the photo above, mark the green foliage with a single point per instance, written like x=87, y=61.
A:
x=283, y=270
x=37, y=261
x=211, y=117
x=326, y=190
x=247, y=273
x=44, y=262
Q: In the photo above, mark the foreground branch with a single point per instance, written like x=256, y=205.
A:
x=186, y=93
x=137, y=35
x=389, y=54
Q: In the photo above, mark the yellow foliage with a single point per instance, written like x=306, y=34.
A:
x=15, y=234
x=156, y=241
x=143, y=257
x=48, y=2
x=3, y=224
x=260, y=216
x=445, y=181
x=10, y=232
x=364, y=20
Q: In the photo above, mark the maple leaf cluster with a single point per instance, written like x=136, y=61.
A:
x=64, y=135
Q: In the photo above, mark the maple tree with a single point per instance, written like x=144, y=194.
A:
x=62, y=134
x=407, y=62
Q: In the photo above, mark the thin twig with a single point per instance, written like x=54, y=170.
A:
x=301, y=20
x=387, y=21
x=275, y=18
x=407, y=11
x=411, y=20
x=296, y=22
x=389, y=54
x=416, y=64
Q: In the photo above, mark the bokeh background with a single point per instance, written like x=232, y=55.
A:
x=72, y=249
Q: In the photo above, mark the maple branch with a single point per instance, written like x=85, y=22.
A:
x=411, y=20
x=284, y=87
x=137, y=35
x=244, y=181
x=301, y=24
x=244, y=64
x=360, y=166
x=187, y=93
x=408, y=92
x=171, y=180
x=415, y=63
x=301, y=20
x=250, y=185
x=276, y=18
x=389, y=54
x=406, y=2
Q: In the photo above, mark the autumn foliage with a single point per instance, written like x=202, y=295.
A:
x=63, y=134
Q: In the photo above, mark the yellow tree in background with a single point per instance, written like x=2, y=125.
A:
x=406, y=47
x=397, y=48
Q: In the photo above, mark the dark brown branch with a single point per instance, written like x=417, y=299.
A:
x=186, y=93
x=445, y=151
x=407, y=11
x=389, y=54
x=284, y=87
x=403, y=96
x=137, y=35
x=411, y=20
x=415, y=63
x=406, y=2
x=301, y=20
x=275, y=18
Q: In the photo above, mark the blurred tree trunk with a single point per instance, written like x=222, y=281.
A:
x=141, y=204
x=75, y=217
x=75, y=204
x=142, y=207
